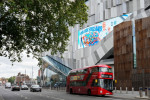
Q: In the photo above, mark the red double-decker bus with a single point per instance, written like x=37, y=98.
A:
x=93, y=80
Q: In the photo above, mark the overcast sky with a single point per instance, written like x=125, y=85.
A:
x=7, y=70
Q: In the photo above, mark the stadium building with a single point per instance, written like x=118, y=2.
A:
x=94, y=43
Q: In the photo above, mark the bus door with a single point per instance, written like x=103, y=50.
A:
x=94, y=86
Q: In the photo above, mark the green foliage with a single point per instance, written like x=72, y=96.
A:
x=37, y=25
x=11, y=79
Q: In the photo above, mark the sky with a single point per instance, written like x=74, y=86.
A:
x=7, y=70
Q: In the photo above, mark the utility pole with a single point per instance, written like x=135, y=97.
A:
x=32, y=74
x=25, y=77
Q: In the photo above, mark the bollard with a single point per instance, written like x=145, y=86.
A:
x=148, y=92
x=132, y=90
x=120, y=89
x=140, y=92
x=126, y=90
x=146, y=89
x=115, y=90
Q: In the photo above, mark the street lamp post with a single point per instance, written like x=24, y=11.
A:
x=42, y=65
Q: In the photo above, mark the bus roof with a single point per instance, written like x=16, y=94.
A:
x=91, y=67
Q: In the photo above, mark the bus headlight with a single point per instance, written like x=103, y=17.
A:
x=101, y=91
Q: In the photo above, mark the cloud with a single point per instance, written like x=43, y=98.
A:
x=7, y=70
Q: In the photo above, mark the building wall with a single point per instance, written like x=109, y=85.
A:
x=125, y=74
x=123, y=55
x=141, y=75
x=99, y=10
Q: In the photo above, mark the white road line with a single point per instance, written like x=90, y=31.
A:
x=56, y=98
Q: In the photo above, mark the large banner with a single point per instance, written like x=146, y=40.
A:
x=95, y=33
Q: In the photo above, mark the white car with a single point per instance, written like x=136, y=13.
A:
x=24, y=87
x=7, y=85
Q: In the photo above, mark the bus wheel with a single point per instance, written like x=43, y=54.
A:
x=70, y=91
x=89, y=92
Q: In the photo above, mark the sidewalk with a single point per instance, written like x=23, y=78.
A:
x=129, y=95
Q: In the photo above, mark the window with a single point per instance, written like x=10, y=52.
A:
x=78, y=72
x=103, y=69
x=78, y=83
x=103, y=83
x=95, y=69
x=106, y=84
x=72, y=73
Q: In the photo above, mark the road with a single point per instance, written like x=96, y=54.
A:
x=7, y=94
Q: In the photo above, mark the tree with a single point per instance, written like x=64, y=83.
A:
x=38, y=25
x=11, y=79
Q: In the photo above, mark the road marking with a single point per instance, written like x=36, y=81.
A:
x=26, y=98
x=56, y=98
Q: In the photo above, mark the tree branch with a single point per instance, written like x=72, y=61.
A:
x=5, y=15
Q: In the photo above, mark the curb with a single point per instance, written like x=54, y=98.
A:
x=144, y=97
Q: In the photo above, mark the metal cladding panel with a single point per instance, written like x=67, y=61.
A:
x=88, y=21
x=124, y=8
x=81, y=53
x=118, y=2
x=76, y=46
x=107, y=45
x=101, y=7
x=146, y=3
x=106, y=13
x=96, y=55
x=131, y=6
x=92, y=20
x=135, y=5
x=109, y=3
x=100, y=52
x=90, y=61
x=86, y=62
x=94, y=58
x=97, y=14
x=92, y=7
x=142, y=4
x=87, y=51
x=114, y=3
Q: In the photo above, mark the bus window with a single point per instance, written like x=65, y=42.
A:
x=95, y=69
x=106, y=84
x=103, y=83
x=103, y=69
x=85, y=71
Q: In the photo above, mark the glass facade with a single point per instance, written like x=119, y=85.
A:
x=134, y=43
x=54, y=71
